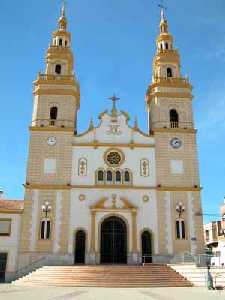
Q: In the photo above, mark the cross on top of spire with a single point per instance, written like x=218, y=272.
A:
x=162, y=10
x=63, y=9
x=62, y=20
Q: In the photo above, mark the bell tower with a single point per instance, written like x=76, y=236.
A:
x=54, y=124
x=56, y=92
x=170, y=120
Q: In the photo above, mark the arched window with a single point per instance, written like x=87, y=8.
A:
x=180, y=229
x=174, y=118
x=58, y=69
x=60, y=42
x=100, y=176
x=161, y=46
x=109, y=176
x=45, y=230
x=166, y=46
x=66, y=43
x=127, y=177
x=118, y=176
x=169, y=72
x=53, y=113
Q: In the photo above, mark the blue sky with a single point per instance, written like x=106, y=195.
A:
x=114, y=44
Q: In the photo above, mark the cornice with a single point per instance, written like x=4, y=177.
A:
x=126, y=145
x=103, y=187
x=51, y=129
x=175, y=130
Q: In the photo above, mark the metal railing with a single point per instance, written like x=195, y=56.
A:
x=182, y=80
x=168, y=124
x=52, y=122
x=55, y=77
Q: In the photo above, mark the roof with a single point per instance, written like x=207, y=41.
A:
x=11, y=206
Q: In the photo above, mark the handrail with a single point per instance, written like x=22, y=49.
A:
x=21, y=270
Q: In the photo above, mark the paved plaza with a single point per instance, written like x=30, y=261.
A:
x=11, y=292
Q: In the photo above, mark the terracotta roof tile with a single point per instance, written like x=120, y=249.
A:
x=11, y=204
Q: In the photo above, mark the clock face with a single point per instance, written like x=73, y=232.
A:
x=51, y=141
x=176, y=143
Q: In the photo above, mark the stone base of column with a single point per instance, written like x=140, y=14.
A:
x=134, y=258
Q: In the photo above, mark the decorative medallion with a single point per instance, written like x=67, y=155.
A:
x=114, y=157
x=51, y=140
x=176, y=143
x=144, y=167
x=82, y=197
x=82, y=167
x=145, y=198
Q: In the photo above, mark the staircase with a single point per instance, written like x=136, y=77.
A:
x=154, y=275
x=197, y=275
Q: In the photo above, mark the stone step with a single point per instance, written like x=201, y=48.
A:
x=105, y=276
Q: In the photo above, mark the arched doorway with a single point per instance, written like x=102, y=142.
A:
x=146, y=246
x=80, y=241
x=113, y=241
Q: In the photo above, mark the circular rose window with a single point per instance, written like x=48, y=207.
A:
x=114, y=157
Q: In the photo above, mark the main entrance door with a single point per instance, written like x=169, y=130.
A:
x=113, y=241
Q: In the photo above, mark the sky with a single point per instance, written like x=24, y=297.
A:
x=114, y=44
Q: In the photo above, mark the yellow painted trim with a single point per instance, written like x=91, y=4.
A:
x=48, y=186
x=51, y=128
x=93, y=221
x=134, y=230
x=177, y=130
x=179, y=189
x=11, y=211
x=171, y=95
x=125, y=187
x=128, y=145
x=55, y=91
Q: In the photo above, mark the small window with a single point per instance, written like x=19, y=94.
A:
x=53, y=113
x=58, y=69
x=169, y=72
x=180, y=229
x=118, y=177
x=45, y=229
x=126, y=176
x=60, y=42
x=109, y=176
x=174, y=118
x=100, y=176
x=66, y=43
x=5, y=227
x=166, y=46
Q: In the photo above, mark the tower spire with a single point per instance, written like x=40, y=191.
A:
x=63, y=20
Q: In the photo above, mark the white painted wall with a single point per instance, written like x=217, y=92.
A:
x=80, y=216
x=10, y=244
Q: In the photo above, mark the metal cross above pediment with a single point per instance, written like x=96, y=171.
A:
x=114, y=99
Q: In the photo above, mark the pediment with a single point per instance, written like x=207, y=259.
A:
x=112, y=203
x=114, y=129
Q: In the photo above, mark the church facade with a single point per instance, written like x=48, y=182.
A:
x=112, y=194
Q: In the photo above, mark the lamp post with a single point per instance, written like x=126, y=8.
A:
x=180, y=208
x=46, y=208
